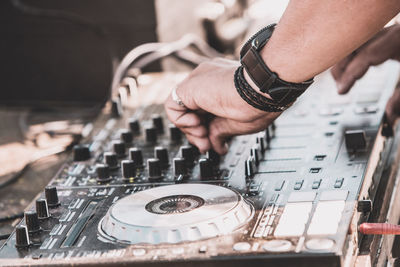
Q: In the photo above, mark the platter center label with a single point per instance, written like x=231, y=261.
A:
x=174, y=204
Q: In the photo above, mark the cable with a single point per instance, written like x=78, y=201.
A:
x=5, y=236
x=11, y=217
x=160, y=50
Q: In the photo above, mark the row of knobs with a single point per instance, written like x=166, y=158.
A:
x=257, y=151
x=82, y=152
x=155, y=165
x=33, y=218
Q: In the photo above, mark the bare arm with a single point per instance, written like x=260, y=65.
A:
x=311, y=36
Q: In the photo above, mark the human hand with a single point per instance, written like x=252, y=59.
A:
x=383, y=46
x=213, y=109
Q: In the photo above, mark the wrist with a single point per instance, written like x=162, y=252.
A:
x=253, y=85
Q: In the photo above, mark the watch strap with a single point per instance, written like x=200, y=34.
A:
x=280, y=91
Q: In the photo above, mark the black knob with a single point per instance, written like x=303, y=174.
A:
x=250, y=167
x=32, y=221
x=134, y=126
x=128, y=169
x=256, y=153
x=103, y=173
x=270, y=133
x=41, y=209
x=179, y=167
x=119, y=148
x=51, y=196
x=364, y=205
x=206, y=170
x=136, y=155
x=126, y=136
x=154, y=167
x=355, y=140
x=21, y=237
x=188, y=154
x=161, y=153
x=158, y=123
x=261, y=143
x=111, y=160
x=150, y=135
x=116, y=108
x=81, y=152
x=213, y=157
x=175, y=134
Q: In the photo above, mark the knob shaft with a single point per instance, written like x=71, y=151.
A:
x=355, y=140
x=51, y=196
x=116, y=108
x=175, y=134
x=261, y=143
x=41, y=209
x=119, y=148
x=179, y=167
x=136, y=155
x=213, y=157
x=154, y=167
x=128, y=169
x=103, y=173
x=21, y=237
x=134, y=125
x=206, y=170
x=161, y=153
x=111, y=160
x=151, y=135
x=188, y=154
x=126, y=136
x=158, y=123
x=81, y=152
x=32, y=221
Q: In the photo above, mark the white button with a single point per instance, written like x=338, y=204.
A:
x=320, y=244
x=241, y=246
x=277, y=246
x=139, y=252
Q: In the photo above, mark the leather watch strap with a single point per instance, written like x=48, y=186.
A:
x=281, y=92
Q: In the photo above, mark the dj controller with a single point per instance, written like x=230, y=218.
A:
x=135, y=192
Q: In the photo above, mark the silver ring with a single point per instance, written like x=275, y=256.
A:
x=176, y=98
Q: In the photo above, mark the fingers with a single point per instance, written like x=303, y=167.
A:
x=221, y=129
x=377, y=50
x=393, y=107
x=202, y=143
x=338, y=69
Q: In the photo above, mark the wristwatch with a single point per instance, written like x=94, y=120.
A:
x=282, y=92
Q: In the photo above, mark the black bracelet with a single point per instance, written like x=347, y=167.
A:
x=252, y=97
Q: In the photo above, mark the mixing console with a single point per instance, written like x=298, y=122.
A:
x=135, y=191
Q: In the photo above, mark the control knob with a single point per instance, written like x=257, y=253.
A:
x=128, y=169
x=150, y=135
x=32, y=221
x=21, y=237
x=41, y=209
x=134, y=126
x=103, y=173
x=175, y=134
x=119, y=148
x=111, y=160
x=158, y=123
x=51, y=196
x=161, y=153
x=81, y=152
x=135, y=154
x=126, y=136
x=206, y=170
x=154, y=168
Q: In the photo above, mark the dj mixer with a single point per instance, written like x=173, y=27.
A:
x=135, y=192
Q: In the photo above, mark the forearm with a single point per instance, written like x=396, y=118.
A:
x=312, y=35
